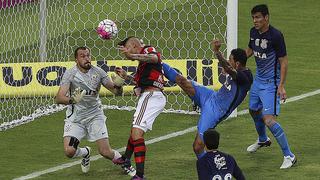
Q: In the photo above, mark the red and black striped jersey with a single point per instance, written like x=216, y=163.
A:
x=149, y=74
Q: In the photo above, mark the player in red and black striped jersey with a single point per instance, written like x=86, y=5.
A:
x=149, y=84
x=149, y=74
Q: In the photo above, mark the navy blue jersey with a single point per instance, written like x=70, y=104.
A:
x=267, y=48
x=233, y=91
x=218, y=165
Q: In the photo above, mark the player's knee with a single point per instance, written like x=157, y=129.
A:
x=69, y=151
x=71, y=148
x=269, y=121
x=197, y=147
x=253, y=113
x=136, y=133
x=256, y=115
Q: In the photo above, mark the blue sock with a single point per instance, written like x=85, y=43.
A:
x=279, y=134
x=169, y=72
x=260, y=127
x=201, y=154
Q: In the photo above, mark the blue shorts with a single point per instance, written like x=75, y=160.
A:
x=263, y=96
x=210, y=111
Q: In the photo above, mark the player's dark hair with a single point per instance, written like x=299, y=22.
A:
x=80, y=48
x=239, y=55
x=263, y=8
x=211, y=138
x=123, y=43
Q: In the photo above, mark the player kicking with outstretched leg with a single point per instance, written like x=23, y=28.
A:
x=216, y=105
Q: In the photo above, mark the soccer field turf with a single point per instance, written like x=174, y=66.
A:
x=38, y=145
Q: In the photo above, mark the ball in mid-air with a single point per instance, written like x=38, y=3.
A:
x=107, y=29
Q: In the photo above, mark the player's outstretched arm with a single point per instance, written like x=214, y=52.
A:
x=216, y=44
x=110, y=85
x=150, y=58
x=115, y=84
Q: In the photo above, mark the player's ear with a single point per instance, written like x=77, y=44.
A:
x=238, y=64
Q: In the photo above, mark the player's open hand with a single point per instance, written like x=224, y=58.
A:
x=117, y=80
x=216, y=44
x=282, y=93
x=121, y=72
x=77, y=95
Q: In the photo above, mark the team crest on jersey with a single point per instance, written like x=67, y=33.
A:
x=257, y=42
x=219, y=161
x=264, y=44
x=226, y=83
x=94, y=79
x=150, y=50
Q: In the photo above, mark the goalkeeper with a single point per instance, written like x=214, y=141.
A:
x=79, y=89
x=216, y=106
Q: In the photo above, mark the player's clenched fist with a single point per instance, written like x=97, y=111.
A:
x=216, y=44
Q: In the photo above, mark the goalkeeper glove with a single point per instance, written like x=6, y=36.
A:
x=117, y=80
x=77, y=95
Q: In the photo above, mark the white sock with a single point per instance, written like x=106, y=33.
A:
x=116, y=155
x=81, y=152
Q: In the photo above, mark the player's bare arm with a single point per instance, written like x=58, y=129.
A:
x=150, y=58
x=123, y=74
x=216, y=44
x=109, y=84
x=283, y=75
x=74, y=98
x=61, y=97
x=117, y=90
x=249, y=52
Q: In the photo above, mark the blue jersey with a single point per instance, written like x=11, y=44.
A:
x=218, y=165
x=233, y=92
x=267, y=48
x=216, y=106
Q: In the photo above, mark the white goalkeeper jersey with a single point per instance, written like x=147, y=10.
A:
x=90, y=105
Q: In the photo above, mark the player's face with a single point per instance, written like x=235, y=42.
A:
x=130, y=47
x=260, y=22
x=84, y=59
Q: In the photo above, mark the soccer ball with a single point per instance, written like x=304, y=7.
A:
x=107, y=29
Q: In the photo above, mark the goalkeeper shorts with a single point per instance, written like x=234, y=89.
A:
x=92, y=130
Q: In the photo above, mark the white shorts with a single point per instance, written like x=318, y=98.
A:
x=93, y=130
x=150, y=105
